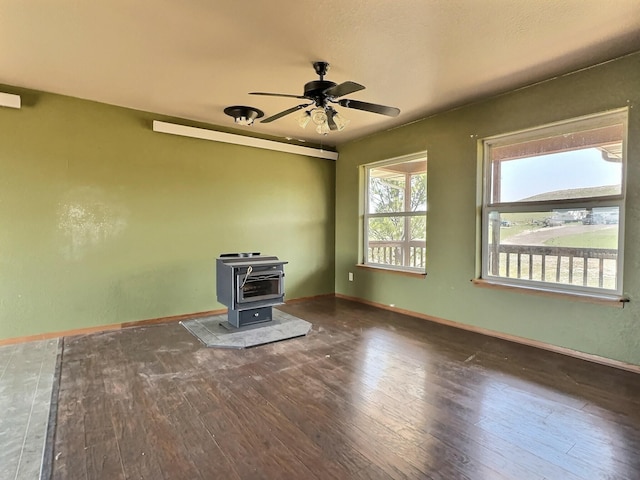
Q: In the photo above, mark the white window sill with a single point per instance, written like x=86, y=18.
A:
x=407, y=273
x=601, y=299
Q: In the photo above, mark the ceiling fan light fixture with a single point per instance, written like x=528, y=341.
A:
x=319, y=116
x=243, y=115
x=340, y=121
x=323, y=128
x=304, y=119
x=325, y=119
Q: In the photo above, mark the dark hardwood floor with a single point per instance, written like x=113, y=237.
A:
x=368, y=394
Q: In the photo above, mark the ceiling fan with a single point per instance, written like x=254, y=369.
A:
x=322, y=93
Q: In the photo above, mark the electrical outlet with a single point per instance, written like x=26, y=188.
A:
x=351, y=276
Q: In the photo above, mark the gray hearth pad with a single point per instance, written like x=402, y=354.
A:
x=215, y=331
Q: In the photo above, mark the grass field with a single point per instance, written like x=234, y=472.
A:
x=601, y=239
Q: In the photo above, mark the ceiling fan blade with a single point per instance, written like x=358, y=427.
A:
x=284, y=113
x=276, y=95
x=370, y=107
x=343, y=89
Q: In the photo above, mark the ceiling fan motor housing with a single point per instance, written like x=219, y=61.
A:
x=314, y=91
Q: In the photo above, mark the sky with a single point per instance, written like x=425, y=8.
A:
x=526, y=177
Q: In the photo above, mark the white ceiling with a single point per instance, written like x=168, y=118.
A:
x=192, y=58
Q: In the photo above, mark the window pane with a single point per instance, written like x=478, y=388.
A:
x=572, y=247
x=386, y=245
x=386, y=229
x=388, y=185
x=579, y=164
x=560, y=176
x=386, y=191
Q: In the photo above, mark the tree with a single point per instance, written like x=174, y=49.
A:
x=387, y=195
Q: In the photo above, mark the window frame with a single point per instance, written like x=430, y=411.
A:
x=568, y=126
x=366, y=169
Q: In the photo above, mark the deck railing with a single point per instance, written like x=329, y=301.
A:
x=594, y=267
x=407, y=254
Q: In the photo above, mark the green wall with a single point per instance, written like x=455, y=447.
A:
x=451, y=139
x=103, y=221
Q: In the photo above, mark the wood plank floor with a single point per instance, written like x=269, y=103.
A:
x=368, y=394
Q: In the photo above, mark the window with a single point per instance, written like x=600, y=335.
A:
x=395, y=218
x=553, y=206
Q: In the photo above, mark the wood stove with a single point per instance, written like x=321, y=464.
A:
x=249, y=284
